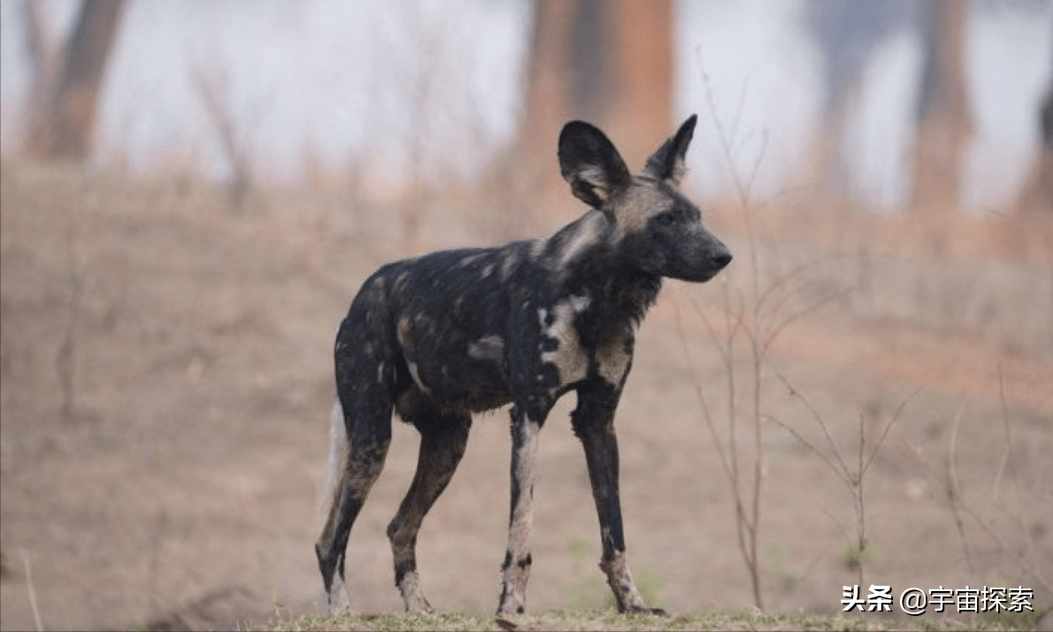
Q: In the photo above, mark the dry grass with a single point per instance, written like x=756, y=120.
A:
x=610, y=621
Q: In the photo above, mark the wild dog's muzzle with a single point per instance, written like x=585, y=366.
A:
x=699, y=257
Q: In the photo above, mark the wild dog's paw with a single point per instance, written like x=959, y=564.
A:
x=657, y=612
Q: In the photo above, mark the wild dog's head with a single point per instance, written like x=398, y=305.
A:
x=661, y=230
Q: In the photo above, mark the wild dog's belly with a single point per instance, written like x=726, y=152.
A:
x=457, y=369
x=474, y=385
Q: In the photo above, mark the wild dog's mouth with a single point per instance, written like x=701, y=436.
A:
x=704, y=271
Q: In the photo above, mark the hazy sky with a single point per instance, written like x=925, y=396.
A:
x=372, y=80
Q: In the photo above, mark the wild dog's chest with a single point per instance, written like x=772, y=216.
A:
x=535, y=347
x=577, y=346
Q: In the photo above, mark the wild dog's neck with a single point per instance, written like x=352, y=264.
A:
x=631, y=294
x=588, y=259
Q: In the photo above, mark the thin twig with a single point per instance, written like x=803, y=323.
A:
x=1016, y=513
x=954, y=488
x=803, y=441
x=884, y=434
x=815, y=561
x=66, y=354
x=852, y=480
x=1026, y=562
x=1008, y=434
x=706, y=413
x=861, y=521
x=776, y=329
x=783, y=279
x=745, y=526
x=837, y=523
x=842, y=468
x=758, y=453
x=740, y=188
x=32, y=593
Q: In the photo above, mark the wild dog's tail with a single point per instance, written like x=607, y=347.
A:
x=338, y=449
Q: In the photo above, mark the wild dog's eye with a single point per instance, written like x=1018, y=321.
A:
x=665, y=219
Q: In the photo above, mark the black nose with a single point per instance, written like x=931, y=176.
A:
x=722, y=260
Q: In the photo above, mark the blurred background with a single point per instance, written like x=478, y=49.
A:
x=192, y=193
x=414, y=93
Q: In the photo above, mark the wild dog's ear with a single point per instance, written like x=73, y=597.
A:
x=667, y=163
x=591, y=164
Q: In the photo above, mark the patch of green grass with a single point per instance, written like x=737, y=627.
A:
x=786, y=579
x=585, y=590
x=1004, y=620
x=856, y=554
x=611, y=621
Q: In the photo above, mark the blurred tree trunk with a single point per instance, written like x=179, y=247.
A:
x=845, y=34
x=527, y=175
x=63, y=121
x=1046, y=116
x=944, y=119
x=1036, y=198
x=640, y=93
x=610, y=63
x=39, y=54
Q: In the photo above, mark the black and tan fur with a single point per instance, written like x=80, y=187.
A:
x=444, y=335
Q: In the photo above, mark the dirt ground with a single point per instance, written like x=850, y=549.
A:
x=166, y=383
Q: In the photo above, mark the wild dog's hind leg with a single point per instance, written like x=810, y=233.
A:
x=443, y=437
x=360, y=445
x=516, y=568
x=593, y=423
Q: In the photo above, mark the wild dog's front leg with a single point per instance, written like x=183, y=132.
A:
x=516, y=568
x=593, y=422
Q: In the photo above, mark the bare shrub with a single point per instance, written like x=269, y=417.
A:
x=212, y=86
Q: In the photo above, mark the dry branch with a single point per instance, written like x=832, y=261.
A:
x=212, y=86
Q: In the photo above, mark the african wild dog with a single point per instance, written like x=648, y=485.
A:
x=450, y=333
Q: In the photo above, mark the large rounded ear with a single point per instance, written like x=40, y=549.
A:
x=667, y=163
x=591, y=164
